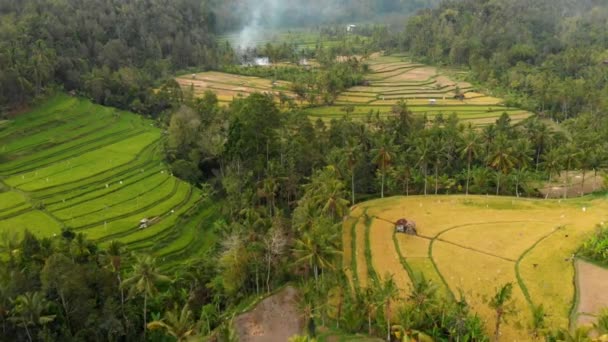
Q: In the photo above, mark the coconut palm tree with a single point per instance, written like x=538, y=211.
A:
x=352, y=155
x=114, y=255
x=143, y=281
x=553, y=163
x=383, y=157
x=316, y=250
x=570, y=156
x=469, y=150
x=176, y=323
x=388, y=293
x=28, y=310
x=500, y=303
x=502, y=159
x=423, y=154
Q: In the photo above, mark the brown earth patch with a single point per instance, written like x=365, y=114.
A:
x=558, y=187
x=592, y=282
x=275, y=318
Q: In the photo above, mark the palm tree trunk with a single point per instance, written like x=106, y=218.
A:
x=122, y=299
x=388, y=321
x=382, y=186
x=352, y=182
x=436, y=178
x=145, y=313
x=27, y=331
x=468, y=176
x=268, y=276
x=425, y=180
x=497, y=183
x=369, y=323
x=583, y=184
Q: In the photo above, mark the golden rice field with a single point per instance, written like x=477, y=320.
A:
x=475, y=244
x=426, y=89
x=227, y=87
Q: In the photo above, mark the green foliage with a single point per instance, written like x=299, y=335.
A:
x=596, y=247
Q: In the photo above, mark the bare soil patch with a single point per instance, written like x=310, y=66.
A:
x=275, y=318
x=573, y=185
x=592, y=282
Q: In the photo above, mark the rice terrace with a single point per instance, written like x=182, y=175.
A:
x=100, y=174
x=426, y=90
x=471, y=245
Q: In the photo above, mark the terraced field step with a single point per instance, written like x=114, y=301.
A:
x=124, y=227
x=141, y=160
x=78, y=223
x=97, y=190
x=62, y=152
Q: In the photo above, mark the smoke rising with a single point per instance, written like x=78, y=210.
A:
x=257, y=17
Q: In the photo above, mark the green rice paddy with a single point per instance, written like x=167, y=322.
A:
x=99, y=171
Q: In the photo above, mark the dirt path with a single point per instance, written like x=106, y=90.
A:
x=275, y=318
x=592, y=283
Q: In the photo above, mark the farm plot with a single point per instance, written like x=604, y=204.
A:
x=476, y=244
x=426, y=90
x=229, y=86
x=98, y=171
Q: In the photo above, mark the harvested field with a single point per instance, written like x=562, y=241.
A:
x=426, y=90
x=228, y=86
x=385, y=258
x=478, y=243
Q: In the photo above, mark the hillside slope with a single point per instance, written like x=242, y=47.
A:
x=97, y=170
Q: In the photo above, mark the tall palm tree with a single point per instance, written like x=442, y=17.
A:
x=29, y=310
x=352, y=155
x=176, y=323
x=440, y=153
x=316, y=250
x=388, y=292
x=502, y=159
x=383, y=157
x=423, y=154
x=326, y=191
x=570, y=156
x=143, y=280
x=469, y=150
x=114, y=254
x=553, y=162
x=522, y=156
x=500, y=303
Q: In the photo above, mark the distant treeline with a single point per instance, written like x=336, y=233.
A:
x=551, y=54
x=113, y=51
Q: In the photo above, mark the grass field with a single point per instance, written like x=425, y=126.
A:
x=427, y=91
x=475, y=244
x=98, y=170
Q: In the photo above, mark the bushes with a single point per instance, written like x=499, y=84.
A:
x=596, y=248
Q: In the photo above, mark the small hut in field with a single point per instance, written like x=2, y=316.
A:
x=405, y=226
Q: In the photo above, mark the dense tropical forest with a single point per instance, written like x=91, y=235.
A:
x=286, y=182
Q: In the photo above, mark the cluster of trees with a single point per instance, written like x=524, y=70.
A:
x=548, y=55
x=113, y=52
x=401, y=154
